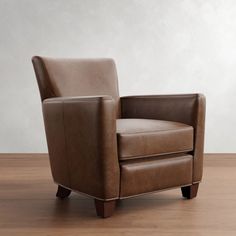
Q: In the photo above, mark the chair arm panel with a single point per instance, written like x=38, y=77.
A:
x=81, y=137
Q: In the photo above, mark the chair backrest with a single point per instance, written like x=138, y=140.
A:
x=76, y=77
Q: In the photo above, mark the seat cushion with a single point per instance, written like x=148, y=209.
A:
x=139, y=138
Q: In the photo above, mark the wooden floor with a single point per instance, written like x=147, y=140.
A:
x=28, y=205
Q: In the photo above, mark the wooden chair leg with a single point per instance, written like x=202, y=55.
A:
x=62, y=192
x=190, y=192
x=105, y=208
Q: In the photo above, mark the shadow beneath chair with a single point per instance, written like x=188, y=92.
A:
x=79, y=212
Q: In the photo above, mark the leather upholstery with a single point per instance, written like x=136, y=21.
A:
x=81, y=136
x=146, y=137
x=153, y=174
x=76, y=77
x=185, y=108
x=89, y=154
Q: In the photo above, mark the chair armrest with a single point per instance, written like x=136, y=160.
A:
x=81, y=137
x=186, y=108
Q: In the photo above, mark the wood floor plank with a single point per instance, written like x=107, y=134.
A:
x=28, y=205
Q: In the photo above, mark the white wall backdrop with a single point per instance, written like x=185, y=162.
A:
x=160, y=46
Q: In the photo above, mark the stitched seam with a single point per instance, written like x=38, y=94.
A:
x=161, y=96
x=137, y=164
x=155, y=131
x=76, y=99
x=154, y=154
x=194, y=138
x=120, y=180
x=66, y=149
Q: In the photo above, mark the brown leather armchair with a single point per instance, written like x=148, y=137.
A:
x=110, y=147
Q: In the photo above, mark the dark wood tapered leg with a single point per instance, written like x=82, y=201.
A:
x=105, y=208
x=190, y=192
x=62, y=192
